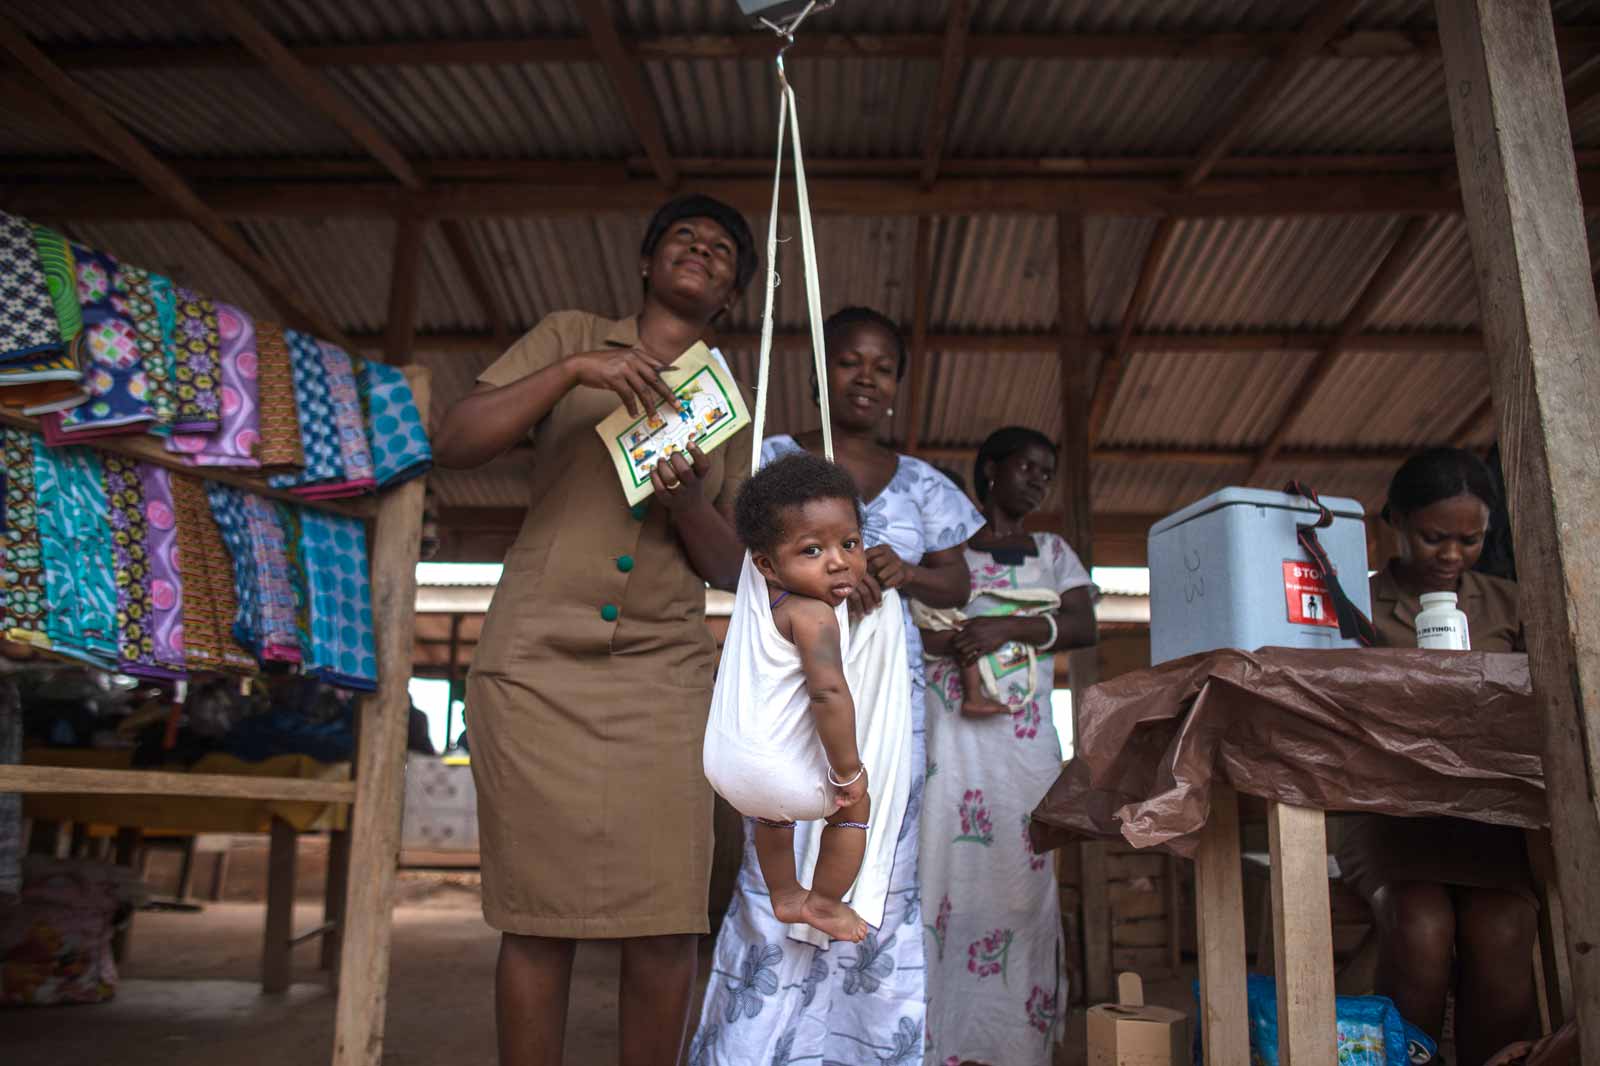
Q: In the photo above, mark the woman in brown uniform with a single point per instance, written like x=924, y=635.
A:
x=1454, y=899
x=590, y=685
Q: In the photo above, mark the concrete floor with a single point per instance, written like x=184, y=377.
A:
x=189, y=997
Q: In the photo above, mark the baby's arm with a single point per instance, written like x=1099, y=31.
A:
x=814, y=629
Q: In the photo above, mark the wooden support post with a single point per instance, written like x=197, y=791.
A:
x=1555, y=972
x=1514, y=150
x=1219, y=921
x=1302, y=936
x=1098, y=978
x=126, y=854
x=333, y=896
x=405, y=276
x=275, y=953
x=919, y=371
x=380, y=768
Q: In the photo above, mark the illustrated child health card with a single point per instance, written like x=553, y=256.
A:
x=713, y=411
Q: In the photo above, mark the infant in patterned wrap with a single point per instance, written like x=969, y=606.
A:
x=781, y=736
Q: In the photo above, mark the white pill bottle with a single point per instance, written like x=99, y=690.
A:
x=1441, y=625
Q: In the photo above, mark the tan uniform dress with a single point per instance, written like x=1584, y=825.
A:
x=1377, y=850
x=587, y=700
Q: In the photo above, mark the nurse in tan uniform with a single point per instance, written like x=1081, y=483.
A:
x=1454, y=899
x=588, y=693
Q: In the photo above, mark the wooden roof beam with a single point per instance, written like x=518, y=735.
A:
x=623, y=69
x=314, y=90
x=1267, y=196
x=472, y=272
x=952, y=62
x=160, y=179
x=1116, y=360
x=1468, y=342
x=1382, y=282
x=517, y=51
x=1325, y=22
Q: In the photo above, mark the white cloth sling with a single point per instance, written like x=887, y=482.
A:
x=1023, y=601
x=762, y=753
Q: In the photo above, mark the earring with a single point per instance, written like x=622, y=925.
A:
x=890, y=412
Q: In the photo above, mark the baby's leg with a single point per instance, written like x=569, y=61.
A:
x=844, y=844
x=974, y=700
x=775, y=853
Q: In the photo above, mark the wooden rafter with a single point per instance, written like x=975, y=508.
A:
x=1116, y=360
x=472, y=272
x=1326, y=21
x=1464, y=342
x=159, y=179
x=1253, y=197
x=917, y=383
x=313, y=89
x=405, y=287
x=1469, y=426
x=941, y=109
x=636, y=102
x=516, y=51
x=1074, y=353
x=1382, y=282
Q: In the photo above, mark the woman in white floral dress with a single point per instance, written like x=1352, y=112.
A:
x=991, y=907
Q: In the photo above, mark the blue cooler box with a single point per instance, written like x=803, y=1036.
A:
x=1227, y=572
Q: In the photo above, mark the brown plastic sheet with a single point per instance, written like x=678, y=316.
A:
x=1387, y=731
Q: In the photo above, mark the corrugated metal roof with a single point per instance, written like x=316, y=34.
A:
x=1203, y=399
x=1296, y=272
x=1172, y=16
x=174, y=250
x=1378, y=399
x=1357, y=105
x=1439, y=290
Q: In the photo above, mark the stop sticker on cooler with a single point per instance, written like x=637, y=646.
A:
x=1305, y=593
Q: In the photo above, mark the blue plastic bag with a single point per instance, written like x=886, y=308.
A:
x=1371, y=1031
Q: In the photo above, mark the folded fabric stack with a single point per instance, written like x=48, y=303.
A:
x=75, y=541
x=400, y=448
x=340, y=650
x=264, y=585
x=22, y=591
x=148, y=581
x=338, y=458
x=39, y=370
x=206, y=571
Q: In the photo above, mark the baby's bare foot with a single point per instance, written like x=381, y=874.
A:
x=834, y=918
x=789, y=907
x=982, y=706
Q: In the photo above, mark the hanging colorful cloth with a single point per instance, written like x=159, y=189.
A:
x=61, y=276
x=75, y=539
x=400, y=448
x=28, y=326
x=119, y=390
x=195, y=373
x=334, y=549
x=137, y=297
x=314, y=407
x=51, y=381
x=166, y=581
x=22, y=580
x=293, y=534
x=231, y=334
x=281, y=450
x=136, y=650
x=264, y=619
x=207, y=575
x=355, y=456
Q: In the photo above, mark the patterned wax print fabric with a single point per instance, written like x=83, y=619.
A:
x=22, y=580
x=231, y=334
x=61, y=276
x=294, y=539
x=28, y=326
x=991, y=905
x=166, y=581
x=400, y=448
x=207, y=575
x=75, y=537
x=115, y=378
x=264, y=621
x=196, y=375
x=146, y=300
x=314, y=407
x=130, y=552
x=355, y=457
x=281, y=450
x=772, y=999
x=334, y=550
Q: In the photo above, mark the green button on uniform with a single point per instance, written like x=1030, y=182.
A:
x=639, y=511
x=609, y=612
x=624, y=563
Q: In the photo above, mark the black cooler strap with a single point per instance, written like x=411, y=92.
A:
x=1353, y=625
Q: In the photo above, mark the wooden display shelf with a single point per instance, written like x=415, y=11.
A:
x=80, y=781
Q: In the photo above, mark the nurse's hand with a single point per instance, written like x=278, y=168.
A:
x=632, y=373
x=867, y=597
x=888, y=568
x=980, y=636
x=677, y=479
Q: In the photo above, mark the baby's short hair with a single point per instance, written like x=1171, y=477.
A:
x=792, y=481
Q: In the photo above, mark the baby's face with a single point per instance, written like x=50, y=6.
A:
x=820, y=554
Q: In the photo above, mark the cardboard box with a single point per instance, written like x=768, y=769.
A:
x=1128, y=1033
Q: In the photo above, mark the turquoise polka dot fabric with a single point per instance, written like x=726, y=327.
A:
x=333, y=549
x=399, y=443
